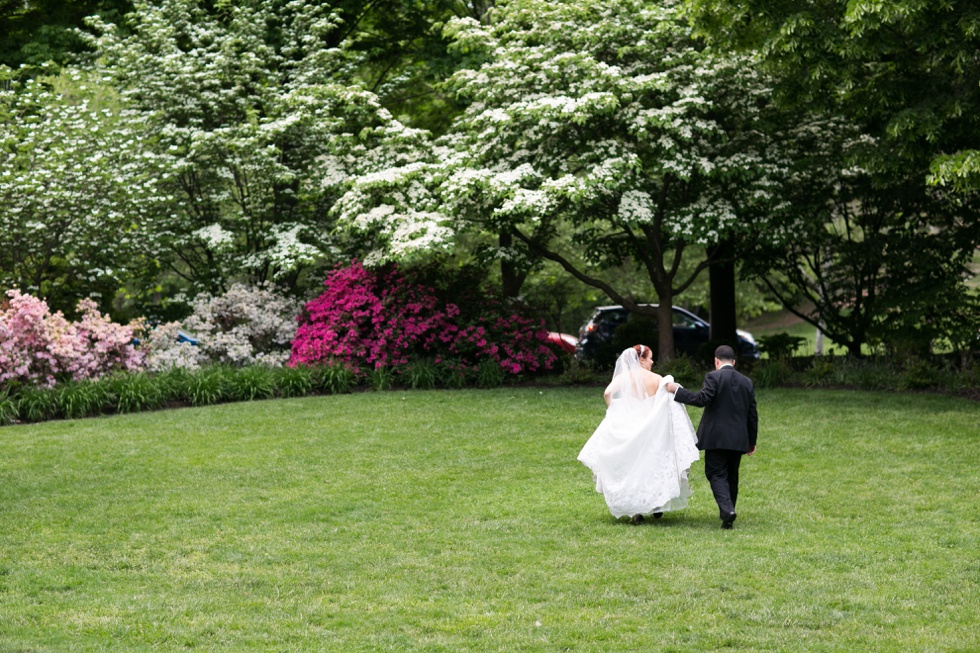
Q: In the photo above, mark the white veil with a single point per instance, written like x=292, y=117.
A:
x=627, y=378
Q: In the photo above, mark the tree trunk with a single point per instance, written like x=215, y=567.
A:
x=511, y=279
x=721, y=276
x=665, y=324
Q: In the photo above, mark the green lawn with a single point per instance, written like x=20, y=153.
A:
x=461, y=521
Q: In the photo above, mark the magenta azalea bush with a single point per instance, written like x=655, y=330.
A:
x=38, y=347
x=382, y=319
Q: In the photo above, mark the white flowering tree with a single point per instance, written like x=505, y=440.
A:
x=253, y=108
x=78, y=190
x=603, y=122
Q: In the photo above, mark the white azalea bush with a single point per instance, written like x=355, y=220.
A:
x=247, y=325
x=165, y=352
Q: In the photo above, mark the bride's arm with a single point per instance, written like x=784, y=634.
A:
x=610, y=391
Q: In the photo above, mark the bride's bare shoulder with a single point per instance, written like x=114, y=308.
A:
x=653, y=381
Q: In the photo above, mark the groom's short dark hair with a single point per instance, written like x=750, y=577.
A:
x=725, y=353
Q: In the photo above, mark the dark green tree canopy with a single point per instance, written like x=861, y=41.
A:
x=38, y=31
x=909, y=70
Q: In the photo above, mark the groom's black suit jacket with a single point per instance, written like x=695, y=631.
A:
x=730, y=419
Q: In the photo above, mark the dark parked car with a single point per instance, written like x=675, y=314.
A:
x=691, y=334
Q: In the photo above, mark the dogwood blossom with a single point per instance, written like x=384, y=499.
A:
x=76, y=194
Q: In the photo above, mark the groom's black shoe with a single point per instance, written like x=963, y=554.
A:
x=658, y=515
x=727, y=520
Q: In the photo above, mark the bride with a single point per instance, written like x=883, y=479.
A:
x=641, y=453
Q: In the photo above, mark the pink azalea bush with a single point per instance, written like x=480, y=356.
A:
x=383, y=319
x=38, y=347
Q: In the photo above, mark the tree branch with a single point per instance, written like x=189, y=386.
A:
x=627, y=302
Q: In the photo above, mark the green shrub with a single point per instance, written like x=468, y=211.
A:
x=132, y=393
x=869, y=375
x=422, y=374
x=780, y=345
x=8, y=408
x=294, y=381
x=921, y=374
x=685, y=370
x=578, y=373
x=489, y=374
x=175, y=384
x=35, y=404
x=335, y=378
x=967, y=379
x=772, y=374
x=76, y=399
x=209, y=385
x=251, y=383
x=822, y=372
x=454, y=374
x=382, y=378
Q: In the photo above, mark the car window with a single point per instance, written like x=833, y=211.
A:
x=684, y=321
x=613, y=317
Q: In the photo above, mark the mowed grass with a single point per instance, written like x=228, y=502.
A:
x=458, y=521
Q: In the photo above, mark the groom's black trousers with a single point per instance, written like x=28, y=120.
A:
x=721, y=469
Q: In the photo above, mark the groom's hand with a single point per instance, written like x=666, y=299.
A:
x=672, y=388
x=750, y=451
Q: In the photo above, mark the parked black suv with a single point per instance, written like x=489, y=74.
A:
x=691, y=334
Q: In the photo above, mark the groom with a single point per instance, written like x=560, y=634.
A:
x=728, y=427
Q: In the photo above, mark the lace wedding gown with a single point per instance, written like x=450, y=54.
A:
x=641, y=453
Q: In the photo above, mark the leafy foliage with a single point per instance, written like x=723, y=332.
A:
x=40, y=31
x=335, y=378
x=780, y=345
x=209, y=386
x=8, y=408
x=78, y=399
x=879, y=94
x=251, y=383
x=878, y=256
x=296, y=381
x=34, y=404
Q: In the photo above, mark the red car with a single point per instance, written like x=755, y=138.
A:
x=563, y=341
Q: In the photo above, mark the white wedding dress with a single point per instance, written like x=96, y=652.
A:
x=641, y=453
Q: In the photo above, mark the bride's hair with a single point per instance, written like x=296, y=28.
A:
x=642, y=349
